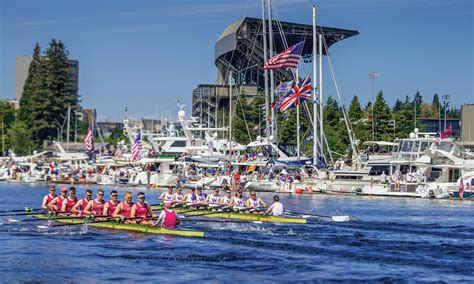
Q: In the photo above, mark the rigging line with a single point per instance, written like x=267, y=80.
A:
x=245, y=119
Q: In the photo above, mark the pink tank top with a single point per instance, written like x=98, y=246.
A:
x=50, y=198
x=170, y=219
x=142, y=211
x=98, y=208
x=84, y=203
x=112, y=207
x=127, y=209
x=60, y=203
x=70, y=204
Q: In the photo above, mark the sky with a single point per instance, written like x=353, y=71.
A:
x=145, y=54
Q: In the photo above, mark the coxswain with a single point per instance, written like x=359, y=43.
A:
x=81, y=204
x=226, y=199
x=49, y=197
x=69, y=202
x=124, y=209
x=214, y=199
x=95, y=207
x=167, y=195
x=200, y=196
x=142, y=210
x=237, y=203
x=57, y=203
x=190, y=197
x=276, y=209
x=168, y=217
x=255, y=203
x=109, y=207
x=178, y=196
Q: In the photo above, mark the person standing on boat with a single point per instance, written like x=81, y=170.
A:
x=213, y=199
x=49, y=197
x=237, y=203
x=142, y=211
x=95, y=207
x=69, y=202
x=236, y=179
x=200, y=196
x=276, y=209
x=255, y=203
x=111, y=205
x=57, y=203
x=81, y=204
x=168, y=217
x=124, y=209
x=167, y=195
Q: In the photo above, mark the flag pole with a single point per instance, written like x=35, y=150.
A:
x=272, y=79
x=297, y=120
x=321, y=131
x=315, y=105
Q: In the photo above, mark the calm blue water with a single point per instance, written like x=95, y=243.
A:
x=397, y=239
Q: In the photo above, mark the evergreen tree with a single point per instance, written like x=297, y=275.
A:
x=33, y=85
x=382, y=116
x=355, y=110
x=435, y=107
x=20, y=138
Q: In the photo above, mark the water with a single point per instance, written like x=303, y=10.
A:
x=397, y=239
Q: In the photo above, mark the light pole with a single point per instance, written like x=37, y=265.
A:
x=445, y=100
x=373, y=76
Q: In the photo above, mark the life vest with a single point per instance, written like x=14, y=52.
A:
x=170, y=220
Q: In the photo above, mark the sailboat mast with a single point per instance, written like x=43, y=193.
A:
x=315, y=105
x=67, y=131
x=230, y=114
x=272, y=78
x=264, y=30
x=297, y=119
x=321, y=131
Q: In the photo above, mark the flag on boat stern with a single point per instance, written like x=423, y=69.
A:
x=446, y=133
x=89, y=141
x=461, y=188
x=287, y=59
x=137, y=146
x=299, y=92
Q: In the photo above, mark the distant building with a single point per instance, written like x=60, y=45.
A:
x=22, y=66
x=153, y=125
x=89, y=115
x=467, y=123
x=108, y=128
x=436, y=125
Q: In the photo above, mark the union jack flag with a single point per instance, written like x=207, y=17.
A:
x=89, y=141
x=299, y=92
x=137, y=147
x=287, y=59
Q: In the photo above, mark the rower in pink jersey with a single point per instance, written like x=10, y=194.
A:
x=142, y=210
x=109, y=207
x=81, y=204
x=95, y=207
x=57, y=203
x=124, y=209
x=49, y=197
x=69, y=202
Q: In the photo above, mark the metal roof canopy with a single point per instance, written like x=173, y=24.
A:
x=240, y=46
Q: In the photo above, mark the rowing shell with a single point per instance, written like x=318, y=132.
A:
x=240, y=216
x=128, y=227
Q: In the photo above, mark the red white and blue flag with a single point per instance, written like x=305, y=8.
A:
x=287, y=59
x=461, y=188
x=89, y=140
x=137, y=146
x=299, y=92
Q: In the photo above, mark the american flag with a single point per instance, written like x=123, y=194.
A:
x=302, y=91
x=287, y=59
x=89, y=140
x=137, y=146
x=283, y=89
x=461, y=189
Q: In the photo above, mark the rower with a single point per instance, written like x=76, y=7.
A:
x=276, y=209
x=142, y=210
x=213, y=199
x=95, y=207
x=200, y=196
x=81, y=204
x=69, y=202
x=168, y=217
x=109, y=207
x=237, y=203
x=49, y=197
x=190, y=197
x=57, y=203
x=178, y=196
x=255, y=203
x=124, y=209
x=167, y=195
x=225, y=200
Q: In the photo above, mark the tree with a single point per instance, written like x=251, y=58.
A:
x=20, y=138
x=355, y=110
x=382, y=116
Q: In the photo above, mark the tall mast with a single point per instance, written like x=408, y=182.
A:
x=272, y=79
x=230, y=114
x=315, y=105
x=68, y=121
x=297, y=119
x=321, y=131
x=264, y=28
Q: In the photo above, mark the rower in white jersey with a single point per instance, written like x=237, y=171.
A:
x=276, y=209
x=200, y=197
x=254, y=203
x=225, y=200
x=167, y=195
x=237, y=202
x=214, y=199
x=178, y=196
x=190, y=197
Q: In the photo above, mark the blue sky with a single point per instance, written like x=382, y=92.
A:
x=145, y=54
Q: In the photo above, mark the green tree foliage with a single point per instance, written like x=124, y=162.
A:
x=20, y=138
x=382, y=117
